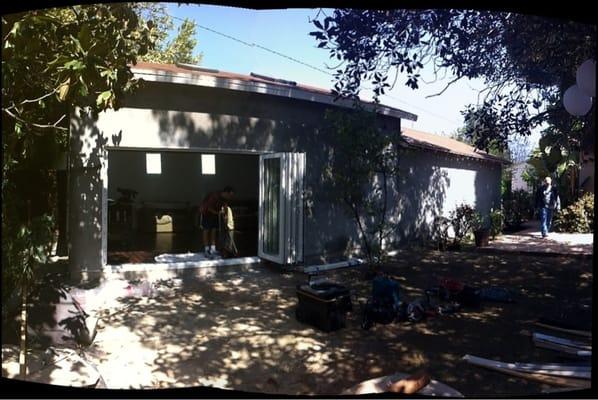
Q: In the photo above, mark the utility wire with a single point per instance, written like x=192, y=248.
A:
x=310, y=66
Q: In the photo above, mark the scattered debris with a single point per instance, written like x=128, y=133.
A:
x=540, y=375
x=383, y=384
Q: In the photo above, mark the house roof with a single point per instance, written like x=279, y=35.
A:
x=429, y=141
x=194, y=75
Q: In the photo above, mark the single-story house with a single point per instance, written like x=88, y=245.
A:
x=189, y=130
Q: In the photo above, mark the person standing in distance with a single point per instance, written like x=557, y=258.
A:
x=547, y=201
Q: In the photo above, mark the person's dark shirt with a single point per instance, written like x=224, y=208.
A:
x=213, y=202
x=546, y=196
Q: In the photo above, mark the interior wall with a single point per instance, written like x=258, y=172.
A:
x=181, y=179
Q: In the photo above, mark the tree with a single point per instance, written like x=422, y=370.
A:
x=53, y=60
x=364, y=162
x=180, y=48
x=526, y=61
x=557, y=155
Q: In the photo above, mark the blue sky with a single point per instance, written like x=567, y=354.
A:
x=286, y=31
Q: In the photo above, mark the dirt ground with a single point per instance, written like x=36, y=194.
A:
x=236, y=329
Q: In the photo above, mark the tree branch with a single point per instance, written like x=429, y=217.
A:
x=34, y=100
x=53, y=126
x=443, y=90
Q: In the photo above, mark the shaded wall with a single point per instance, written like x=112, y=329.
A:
x=162, y=115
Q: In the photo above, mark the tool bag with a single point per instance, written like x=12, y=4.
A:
x=384, y=305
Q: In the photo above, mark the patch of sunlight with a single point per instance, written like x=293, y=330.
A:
x=245, y=327
x=236, y=281
x=221, y=330
x=195, y=297
x=258, y=340
x=129, y=362
x=375, y=370
x=219, y=287
x=425, y=331
x=417, y=359
x=586, y=275
x=316, y=362
x=173, y=348
x=219, y=381
x=148, y=320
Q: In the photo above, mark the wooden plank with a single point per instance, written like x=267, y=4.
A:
x=553, y=369
x=314, y=269
x=550, y=380
x=556, y=367
x=563, y=341
x=571, y=331
x=564, y=349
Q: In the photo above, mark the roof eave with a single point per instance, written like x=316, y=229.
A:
x=262, y=88
x=490, y=158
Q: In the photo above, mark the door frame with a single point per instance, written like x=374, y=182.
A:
x=104, y=178
x=279, y=257
x=291, y=207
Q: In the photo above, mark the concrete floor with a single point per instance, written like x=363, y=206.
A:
x=529, y=240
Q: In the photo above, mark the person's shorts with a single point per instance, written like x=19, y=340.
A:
x=208, y=221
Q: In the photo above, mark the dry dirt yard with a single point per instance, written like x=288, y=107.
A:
x=235, y=328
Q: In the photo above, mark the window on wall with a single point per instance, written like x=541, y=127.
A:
x=208, y=164
x=153, y=163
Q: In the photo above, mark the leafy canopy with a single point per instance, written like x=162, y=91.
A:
x=54, y=60
x=179, y=49
x=525, y=61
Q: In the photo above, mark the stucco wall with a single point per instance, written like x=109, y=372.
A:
x=435, y=184
x=162, y=115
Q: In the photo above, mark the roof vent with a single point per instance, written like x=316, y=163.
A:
x=269, y=78
x=197, y=68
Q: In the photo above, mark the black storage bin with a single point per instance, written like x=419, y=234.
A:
x=323, y=305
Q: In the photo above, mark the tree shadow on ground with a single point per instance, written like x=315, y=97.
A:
x=235, y=328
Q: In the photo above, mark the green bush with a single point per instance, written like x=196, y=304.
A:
x=462, y=219
x=496, y=222
x=577, y=218
x=517, y=207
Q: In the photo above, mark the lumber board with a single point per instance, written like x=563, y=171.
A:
x=548, y=379
x=565, y=330
x=563, y=341
x=547, y=369
x=563, y=349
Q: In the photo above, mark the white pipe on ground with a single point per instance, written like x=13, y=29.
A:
x=313, y=269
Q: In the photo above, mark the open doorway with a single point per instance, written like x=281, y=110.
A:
x=153, y=195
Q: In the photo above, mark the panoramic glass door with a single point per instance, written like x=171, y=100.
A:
x=280, y=236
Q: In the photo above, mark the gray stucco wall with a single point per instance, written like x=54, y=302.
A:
x=162, y=115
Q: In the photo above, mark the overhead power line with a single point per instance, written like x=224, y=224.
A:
x=293, y=59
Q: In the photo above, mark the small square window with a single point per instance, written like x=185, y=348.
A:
x=153, y=163
x=208, y=164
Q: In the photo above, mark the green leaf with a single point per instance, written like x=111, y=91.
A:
x=74, y=65
x=103, y=97
x=64, y=89
x=84, y=37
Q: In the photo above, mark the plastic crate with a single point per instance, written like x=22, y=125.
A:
x=323, y=305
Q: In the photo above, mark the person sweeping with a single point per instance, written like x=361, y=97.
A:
x=227, y=232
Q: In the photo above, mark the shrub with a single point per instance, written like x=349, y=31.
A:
x=517, y=208
x=496, y=222
x=577, y=218
x=440, y=232
x=463, y=220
